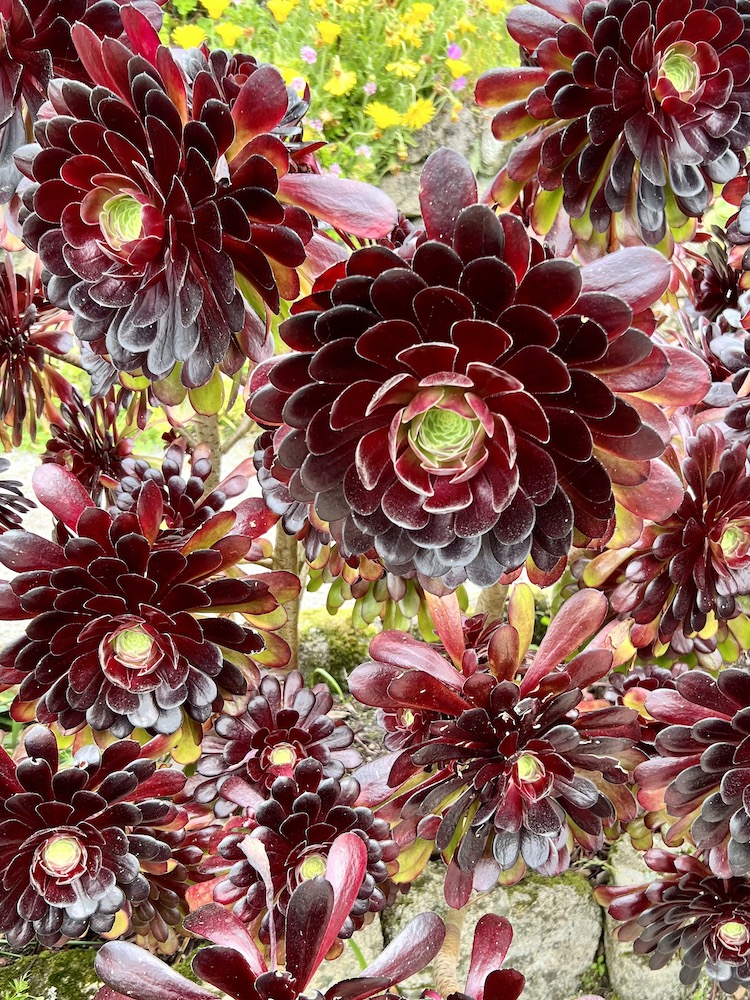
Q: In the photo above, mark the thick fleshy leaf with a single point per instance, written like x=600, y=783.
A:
x=352, y=206
x=223, y=928
x=446, y=186
x=132, y=971
x=638, y=275
x=492, y=938
x=61, y=493
x=410, y=951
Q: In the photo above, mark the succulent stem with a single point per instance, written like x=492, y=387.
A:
x=445, y=965
x=286, y=557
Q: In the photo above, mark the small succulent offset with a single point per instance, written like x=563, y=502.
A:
x=71, y=837
x=688, y=910
x=233, y=964
x=478, y=405
x=125, y=633
x=629, y=113
x=503, y=775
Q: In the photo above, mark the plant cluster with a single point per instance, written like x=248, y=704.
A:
x=540, y=393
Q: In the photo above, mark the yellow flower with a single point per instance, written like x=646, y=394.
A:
x=465, y=25
x=188, y=36
x=405, y=69
x=495, y=6
x=328, y=31
x=342, y=81
x=383, y=116
x=229, y=34
x=317, y=5
x=418, y=13
x=215, y=8
x=419, y=113
x=410, y=36
x=281, y=9
x=458, y=67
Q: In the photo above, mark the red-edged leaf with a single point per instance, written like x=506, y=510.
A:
x=142, y=35
x=150, y=510
x=345, y=870
x=134, y=972
x=492, y=938
x=657, y=498
x=61, y=493
x=259, y=107
x=409, y=952
x=403, y=651
x=253, y=518
x=446, y=187
x=223, y=928
x=418, y=689
x=446, y=617
x=352, y=206
x=23, y=552
x=372, y=779
x=687, y=379
x=579, y=618
x=512, y=83
x=672, y=708
x=639, y=275
x=309, y=917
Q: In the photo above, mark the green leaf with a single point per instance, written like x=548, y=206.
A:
x=208, y=399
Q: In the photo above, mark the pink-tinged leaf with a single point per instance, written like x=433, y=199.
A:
x=210, y=532
x=522, y=615
x=23, y=552
x=672, y=708
x=369, y=684
x=225, y=929
x=61, y=493
x=418, y=689
x=579, y=618
x=259, y=107
x=372, y=779
x=506, y=84
x=656, y=499
x=687, y=380
x=346, y=867
x=142, y=35
x=639, y=275
x=492, y=938
x=446, y=617
x=410, y=951
x=457, y=886
x=202, y=893
x=283, y=585
x=150, y=510
x=352, y=206
x=447, y=186
x=308, y=920
x=322, y=253
x=133, y=972
x=253, y=518
x=589, y=666
x=401, y=650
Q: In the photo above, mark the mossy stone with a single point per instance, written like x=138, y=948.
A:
x=67, y=974
x=330, y=643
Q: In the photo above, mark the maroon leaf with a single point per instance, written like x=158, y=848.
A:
x=61, y=493
x=446, y=187
x=135, y=973
x=638, y=275
x=352, y=206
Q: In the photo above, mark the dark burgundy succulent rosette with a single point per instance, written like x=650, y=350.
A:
x=297, y=824
x=71, y=838
x=629, y=112
x=13, y=503
x=687, y=910
x=233, y=964
x=30, y=329
x=125, y=633
x=686, y=573
x=86, y=440
x=701, y=773
x=284, y=722
x=478, y=406
x=511, y=774
x=633, y=688
x=716, y=284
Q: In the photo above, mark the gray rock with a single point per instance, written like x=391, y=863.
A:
x=629, y=974
x=551, y=918
x=461, y=134
x=493, y=154
x=403, y=189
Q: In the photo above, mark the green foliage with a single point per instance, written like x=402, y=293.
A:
x=19, y=989
x=378, y=71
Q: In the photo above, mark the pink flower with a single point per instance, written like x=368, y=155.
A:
x=298, y=83
x=308, y=54
x=455, y=51
x=363, y=151
x=316, y=123
x=459, y=84
x=335, y=169
x=370, y=88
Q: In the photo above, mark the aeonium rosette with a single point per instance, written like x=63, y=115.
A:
x=479, y=405
x=629, y=113
x=508, y=771
x=159, y=209
x=124, y=633
x=72, y=838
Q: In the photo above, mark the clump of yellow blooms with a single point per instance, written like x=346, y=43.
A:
x=383, y=115
x=281, y=9
x=419, y=113
x=405, y=69
x=188, y=36
x=458, y=67
x=418, y=13
x=229, y=34
x=342, y=81
x=215, y=8
x=328, y=32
